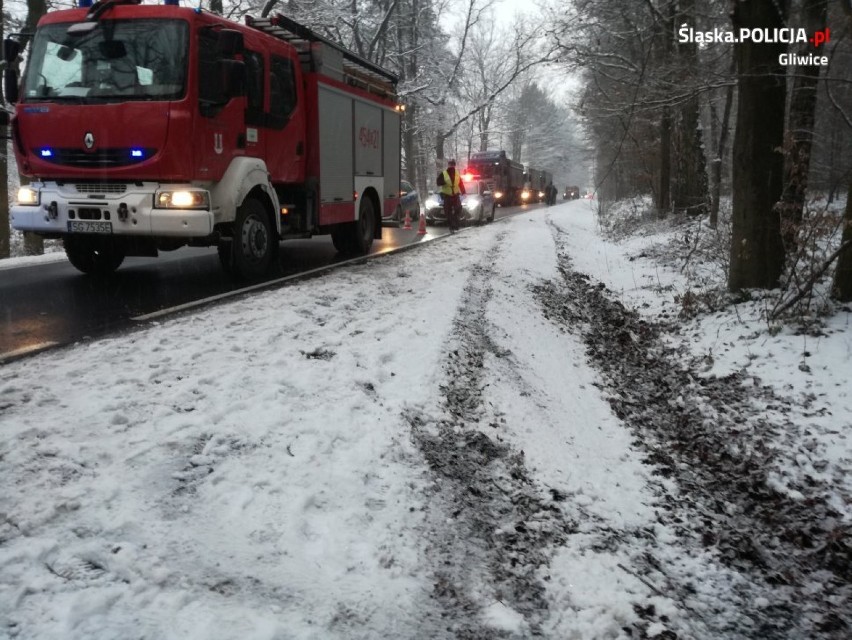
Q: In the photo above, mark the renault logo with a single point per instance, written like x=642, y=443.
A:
x=89, y=140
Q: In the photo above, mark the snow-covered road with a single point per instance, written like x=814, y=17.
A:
x=428, y=445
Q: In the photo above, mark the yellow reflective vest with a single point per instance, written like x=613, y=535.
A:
x=451, y=187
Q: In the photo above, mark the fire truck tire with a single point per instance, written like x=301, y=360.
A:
x=93, y=255
x=340, y=240
x=356, y=238
x=254, y=244
x=226, y=255
x=364, y=228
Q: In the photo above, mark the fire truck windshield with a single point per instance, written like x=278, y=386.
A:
x=119, y=60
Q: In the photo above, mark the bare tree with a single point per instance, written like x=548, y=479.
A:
x=689, y=185
x=5, y=230
x=800, y=129
x=523, y=54
x=757, y=251
x=720, y=129
x=33, y=244
x=842, y=286
x=642, y=97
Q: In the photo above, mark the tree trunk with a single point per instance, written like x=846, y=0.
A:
x=800, y=129
x=664, y=202
x=721, y=149
x=757, y=250
x=408, y=142
x=689, y=189
x=842, y=287
x=33, y=244
x=439, y=149
x=5, y=230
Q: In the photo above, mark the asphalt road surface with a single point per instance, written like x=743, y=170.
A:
x=52, y=304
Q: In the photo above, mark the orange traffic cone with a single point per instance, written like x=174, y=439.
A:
x=421, y=231
x=407, y=225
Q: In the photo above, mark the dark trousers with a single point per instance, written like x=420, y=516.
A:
x=452, y=209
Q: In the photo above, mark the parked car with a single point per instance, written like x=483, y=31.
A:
x=477, y=205
x=409, y=202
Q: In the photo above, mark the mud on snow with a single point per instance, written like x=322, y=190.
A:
x=494, y=528
x=716, y=438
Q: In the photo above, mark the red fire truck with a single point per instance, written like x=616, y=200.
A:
x=144, y=128
x=504, y=176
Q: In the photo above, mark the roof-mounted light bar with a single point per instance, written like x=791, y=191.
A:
x=86, y=4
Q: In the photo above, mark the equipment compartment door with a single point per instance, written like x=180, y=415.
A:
x=368, y=139
x=391, y=154
x=336, y=152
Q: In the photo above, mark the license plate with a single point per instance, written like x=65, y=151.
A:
x=89, y=226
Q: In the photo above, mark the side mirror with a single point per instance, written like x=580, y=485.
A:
x=10, y=85
x=230, y=43
x=11, y=49
x=233, y=78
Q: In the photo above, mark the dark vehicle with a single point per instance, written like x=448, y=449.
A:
x=478, y=205
x=536, y=181
x=504, y=176
x=409, y=203
x=571, y=193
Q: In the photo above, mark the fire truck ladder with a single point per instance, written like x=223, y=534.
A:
x=356, y=71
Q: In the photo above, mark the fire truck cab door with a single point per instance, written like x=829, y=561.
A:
x=221, y=118
x=284, y=121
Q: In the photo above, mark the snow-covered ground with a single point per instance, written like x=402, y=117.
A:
x=482, y=438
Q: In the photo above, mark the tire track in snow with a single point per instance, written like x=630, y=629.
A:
x=500, y=530
x=708, y=435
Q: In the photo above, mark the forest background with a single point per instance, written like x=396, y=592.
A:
x=605, y=94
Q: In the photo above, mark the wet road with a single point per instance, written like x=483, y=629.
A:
x=50, y=304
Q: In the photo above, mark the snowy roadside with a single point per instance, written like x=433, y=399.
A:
x=445, y=443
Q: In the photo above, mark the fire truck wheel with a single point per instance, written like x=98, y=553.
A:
x=253, y=245
x=226, y=255
x=93, y=255
x=356, y=238
x=364, y=228
x=340, y=240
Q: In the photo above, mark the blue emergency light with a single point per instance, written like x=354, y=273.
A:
x=46, y=153
x=136, y=153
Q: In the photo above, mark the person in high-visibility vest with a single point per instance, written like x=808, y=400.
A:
x=451, y=189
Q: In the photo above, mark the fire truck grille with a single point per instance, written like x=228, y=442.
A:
x=97, y=159
x=96, y=187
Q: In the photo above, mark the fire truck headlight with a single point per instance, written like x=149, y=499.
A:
x=28, y=196
x=498, y=195
x=182, y=199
